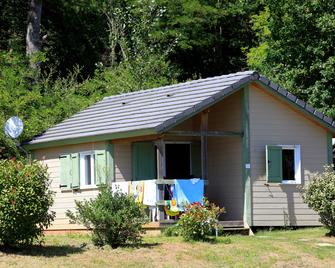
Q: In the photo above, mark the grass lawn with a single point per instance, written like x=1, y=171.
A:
x=301, y=248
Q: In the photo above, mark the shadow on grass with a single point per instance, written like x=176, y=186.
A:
x=46, y=251
x=142, y=245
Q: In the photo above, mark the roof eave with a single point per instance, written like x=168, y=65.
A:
x=111, y=136
x=297, y=103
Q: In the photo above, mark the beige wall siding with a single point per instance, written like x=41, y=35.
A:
x=225, y=175
x=64, y=200
x=225, y=158
x=122, y=161
x=191, y=124
x=226, y=115
x=274, y=122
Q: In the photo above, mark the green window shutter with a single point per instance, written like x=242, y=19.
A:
x=196, y=159
x=65, y=171
x=104, y=165
x=100, y=161
x=144, y=161
x=75, y=170
x=274, y=163
x=110, y=163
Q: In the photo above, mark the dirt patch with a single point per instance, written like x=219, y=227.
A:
x=327, y=239
x=325, y=245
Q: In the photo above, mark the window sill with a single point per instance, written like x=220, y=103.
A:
x=91, y=187
x=88, y=188
x=281, y=183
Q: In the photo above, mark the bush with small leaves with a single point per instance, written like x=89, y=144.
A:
x=25, y=200
x=199, y=220
x=115, y=218
x=172, y=231
x=319, y=194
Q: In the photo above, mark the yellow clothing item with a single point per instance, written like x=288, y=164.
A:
x=137, y=190
x=171, y=208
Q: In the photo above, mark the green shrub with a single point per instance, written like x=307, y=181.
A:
x=172, y=231
x=319, y=194
x=199, y=220
x=114, y=218
x=25, y=200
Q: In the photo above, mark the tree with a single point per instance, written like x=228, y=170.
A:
x=77, y=35
x=296, y=49
x=209, y=37
x=33, y=30
x=13, y=26
x=40, y=104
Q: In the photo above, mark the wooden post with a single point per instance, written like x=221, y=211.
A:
x=160, y=159
x=204, y=144
x=160, y=175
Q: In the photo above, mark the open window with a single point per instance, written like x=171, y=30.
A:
x=178, y=161
x=283, y=164
x=182, y=160
x=87, y=168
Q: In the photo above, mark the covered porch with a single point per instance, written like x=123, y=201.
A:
x=213, y=146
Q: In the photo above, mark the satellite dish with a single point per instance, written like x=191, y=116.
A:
x=13, y=127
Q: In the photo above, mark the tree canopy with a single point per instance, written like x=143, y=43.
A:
x=297, y=49
x=92, y=49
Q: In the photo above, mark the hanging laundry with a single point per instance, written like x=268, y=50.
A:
x=150, y=193
x=136, y=190
x=188, y=191
x=170, y=207
x=122, y=186
x=170, y=190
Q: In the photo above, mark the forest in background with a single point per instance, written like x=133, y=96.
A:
x=91, y=49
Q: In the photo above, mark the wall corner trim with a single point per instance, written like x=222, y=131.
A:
x=247, y=211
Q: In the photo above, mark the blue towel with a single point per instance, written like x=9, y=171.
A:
x=189, y=191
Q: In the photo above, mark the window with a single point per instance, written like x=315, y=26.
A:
x=86, y=169
x=283, y=164
x=87, y=174
x=182, y=160
x=288, y=164
x=178, y=161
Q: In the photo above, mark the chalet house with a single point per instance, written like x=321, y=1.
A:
x=253, y=142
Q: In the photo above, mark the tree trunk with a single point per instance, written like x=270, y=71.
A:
x=33, y=41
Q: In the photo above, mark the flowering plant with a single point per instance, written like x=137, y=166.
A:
x=199, y=220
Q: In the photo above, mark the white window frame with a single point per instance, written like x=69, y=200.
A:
x=297, y=164
x=83, y=184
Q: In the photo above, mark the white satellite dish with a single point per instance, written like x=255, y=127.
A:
x=13, y=127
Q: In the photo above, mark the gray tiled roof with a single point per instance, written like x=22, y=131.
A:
x=159, y=109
